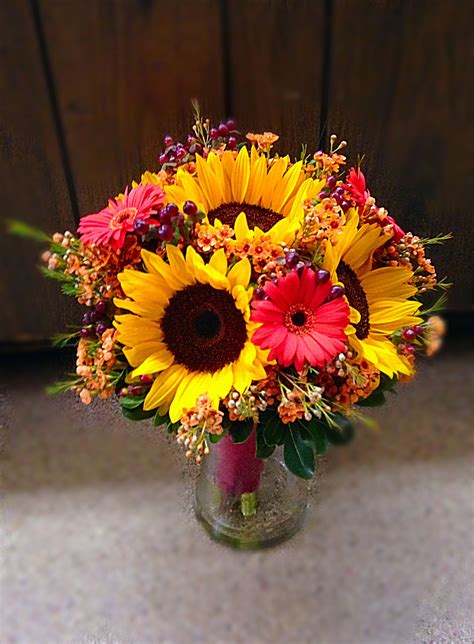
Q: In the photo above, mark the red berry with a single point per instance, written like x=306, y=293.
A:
x=181, y=152
x=101, y=307
x=323, y=276
x=322, y=195
x=339, y=190
x=85, y=332
x=231, y=124
x=292, y=258
x=100, y=328
x=409, y=334
x=331, y=182
x=232, y=143
x=123, y=392
x=163, y=158
x=409, y=348
x=336, y=291
x=172, y=209
x=223, y=130
x=146, y=379
x=141, y=227
x=135, y=390
x=418, y=329
x=195, y=148
x=259, y=294
x=168, y=140
x=165, y=232
x=190, y=208
x=213, y=133
x=345, y=205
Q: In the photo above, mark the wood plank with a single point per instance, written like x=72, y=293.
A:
x=401, y=92
x=125, y=72
x=33, y=181
x=276, y=52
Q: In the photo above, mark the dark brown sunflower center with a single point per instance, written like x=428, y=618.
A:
x=227, y=213
x=357, y=298
x=203, y=328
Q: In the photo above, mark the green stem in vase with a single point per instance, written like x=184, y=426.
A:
x=248, y=503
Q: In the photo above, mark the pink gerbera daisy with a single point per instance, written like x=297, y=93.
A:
x=110, y=225
x=303, y=319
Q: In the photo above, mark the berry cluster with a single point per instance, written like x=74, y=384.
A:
x=171, y=223
x=95, y=322
x=336, y=192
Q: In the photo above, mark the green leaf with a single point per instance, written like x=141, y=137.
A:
x=272, y=429
x=263, y=450
x=20, y=229
x=343, y=433
x=376, y=399
x=137, y=413
x=241, y=430
x=160, y=420
x=132, y=402
x=215, y=438
x=299, y=456
x=314, y=433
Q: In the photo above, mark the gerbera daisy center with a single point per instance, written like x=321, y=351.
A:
x=259, y=216
x=203, y=328
x=126, y=214
x=357, y=298
x=299, y=319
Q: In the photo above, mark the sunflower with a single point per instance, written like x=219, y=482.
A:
x=379, y=298
x=226, y=186
x=189, y=325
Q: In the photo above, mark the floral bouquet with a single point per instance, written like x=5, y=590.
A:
x=244, y=301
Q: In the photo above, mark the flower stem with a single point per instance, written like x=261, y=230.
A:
x=248, y=503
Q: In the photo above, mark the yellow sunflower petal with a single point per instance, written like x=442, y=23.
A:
x=241, y=228
x=211, y=184
x=257, y=181
x=273, y=178
x=157, y=361
x=164, y=387
x=240, y=176
x=140, y=352
x=191, y=387
x=240, y=273
x=218, y=261
x=285, y=187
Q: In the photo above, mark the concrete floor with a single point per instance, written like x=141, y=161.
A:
x=100, y=544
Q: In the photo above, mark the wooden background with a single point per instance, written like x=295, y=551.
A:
x=87, y=89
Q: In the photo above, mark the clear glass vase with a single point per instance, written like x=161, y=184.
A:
x=247, y=502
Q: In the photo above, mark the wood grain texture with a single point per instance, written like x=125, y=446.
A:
x=33, y=181
x=401, y=92
x=125, y=73
x=275, y=62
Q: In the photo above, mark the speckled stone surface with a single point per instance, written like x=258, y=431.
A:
x=100, y=545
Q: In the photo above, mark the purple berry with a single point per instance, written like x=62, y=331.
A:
x=345, y=205
x=418, y=329
x=86, y=318
x=322, y=276
x=101, y=307
x=337, y=197
x=163, y=158
x=178, y=221
x=223, y=130
x=331, y=182
x=190, y=208
x=259, y=294
x=191, y=139
x=195, y=148
x=181, y=152
x=322, y=195
x=409, y=334
x=135, y=390
x=164, y=215
x=410, y=349
x=100, y=328
x=168, y=141
x=141, y=227
x=85, y=332
x=172, y=209
x=165, y=232
x=213, y=133
x=336, y=291
x=300, y=266
x=231, y=124
x=232, y=143
x=292, y=258
x=339, y=190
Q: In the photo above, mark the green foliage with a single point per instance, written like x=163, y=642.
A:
x=263, y=450
x=314, y=433
x=298, y=454
x=340, y=430
x=132, y=408
x=20, y=229
x=376, y=399
x=272, y=428
x=241, y=430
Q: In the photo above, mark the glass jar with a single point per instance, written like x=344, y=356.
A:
x=245, y=501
